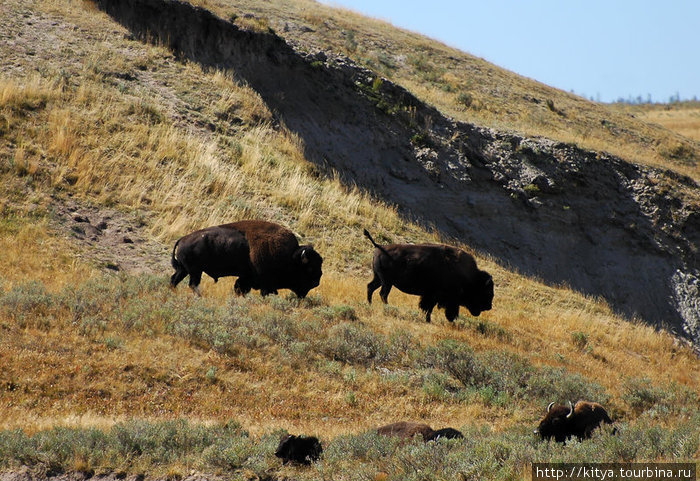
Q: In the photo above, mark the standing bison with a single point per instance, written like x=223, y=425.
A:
x=441, y=275
x=562, y=422
x=264, y=256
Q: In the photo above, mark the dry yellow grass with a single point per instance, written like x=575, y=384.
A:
x=108, y=143
x=683, y=118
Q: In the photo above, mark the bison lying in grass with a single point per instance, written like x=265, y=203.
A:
x=264, y=256
x=441, y=275
x=407, y=430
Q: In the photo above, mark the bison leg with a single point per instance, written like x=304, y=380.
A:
x=242, y=287
x=426, y=305
x=451, y=312
x=266, y=292
x=372, y=286
x=384, y=293
x=179, y=275
x=195, y=279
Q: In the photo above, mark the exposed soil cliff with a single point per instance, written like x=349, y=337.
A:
x=603, y=226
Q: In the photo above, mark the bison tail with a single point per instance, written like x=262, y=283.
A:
x=173, y=261
x=366, y=232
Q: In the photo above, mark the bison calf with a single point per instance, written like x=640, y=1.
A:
x=263, y=255
x=299, y=449
x=441, y=275
x=563, y=422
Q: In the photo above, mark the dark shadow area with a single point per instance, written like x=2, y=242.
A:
x=544, y=208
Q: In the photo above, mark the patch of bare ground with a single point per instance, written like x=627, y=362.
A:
x=109, y=238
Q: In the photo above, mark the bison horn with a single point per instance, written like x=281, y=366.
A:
x=549, y=408
x=303, y=254
x=571, y=410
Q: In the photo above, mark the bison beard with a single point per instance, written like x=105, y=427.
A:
x=263, y=255
x=441, y=275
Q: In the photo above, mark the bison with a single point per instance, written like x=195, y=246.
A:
x=300, y=449
x=562, y=422
x=264, y=256
x=407, y=430
x=447, y=433
x=441, y=275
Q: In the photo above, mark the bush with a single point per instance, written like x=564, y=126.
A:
x=354, y=344
x=465, y=98
x=456, y=359
x=642, y=395
x=29, y=300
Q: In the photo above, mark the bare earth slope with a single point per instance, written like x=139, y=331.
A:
x=603, y=226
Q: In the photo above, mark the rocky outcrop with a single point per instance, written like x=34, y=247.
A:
x=603, y=226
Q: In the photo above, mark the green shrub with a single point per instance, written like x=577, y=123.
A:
x=340, y=312
x=466, y=99
x=29, y=303
x=642, y=395
x=580, y=339
x=456, y=359
x=354, y=344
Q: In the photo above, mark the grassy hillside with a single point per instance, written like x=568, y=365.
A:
x=681, y=117
x=115, y=372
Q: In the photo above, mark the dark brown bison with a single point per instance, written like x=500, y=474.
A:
x=299, y=449
x=264, y=256
x=562, y=422
x=217, y=251
x=407, y=430
x=441, y=275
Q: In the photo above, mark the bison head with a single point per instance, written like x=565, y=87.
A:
x=446, y=433
x=477, y=294
x=309, y=271
x=555, y=423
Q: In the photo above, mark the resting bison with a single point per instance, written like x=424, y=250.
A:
x=407, y=429
x=439, y=274
x=300, y=449
x=447, y=433
x=263, y=255
x=562, y=422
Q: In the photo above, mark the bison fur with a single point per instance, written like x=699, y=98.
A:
x=264, y=256
x=216, y=251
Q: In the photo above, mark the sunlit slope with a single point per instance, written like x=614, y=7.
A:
x=681, y=117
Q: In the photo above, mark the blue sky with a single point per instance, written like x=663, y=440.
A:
x=601, y=49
